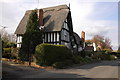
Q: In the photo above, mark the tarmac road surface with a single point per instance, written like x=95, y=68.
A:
x=104, y=69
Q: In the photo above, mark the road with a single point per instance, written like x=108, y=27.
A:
x=104, y=69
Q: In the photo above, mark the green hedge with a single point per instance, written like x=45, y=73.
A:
x=6, y=53
x=107, y=57
x=48, y=54
x=61, y=65
x=78, y=59
x=10, y=53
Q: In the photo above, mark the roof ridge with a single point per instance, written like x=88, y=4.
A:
x=52, y=8
x=55, y=8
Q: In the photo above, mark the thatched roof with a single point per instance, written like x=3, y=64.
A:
x=77, y=38
x=53, y=18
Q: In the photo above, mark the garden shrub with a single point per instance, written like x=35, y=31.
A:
x=69, y=62
x=107, y=57
x=48, y=54
x=82, y=53
x=112, y=57
x=95, y=57
x=61, y=65
x=106, y=51
x=89, y=53
x=6, y=53
x=88, y=59
x=23, y=56
x=118, y=55
x=103, y=57
x=10, y=53
x=77, y=59
x=14, y=52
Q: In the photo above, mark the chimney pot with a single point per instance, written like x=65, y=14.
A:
x=83, y=36
x=40, y=17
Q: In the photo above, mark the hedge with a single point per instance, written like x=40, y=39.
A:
x=62, y=65
x=107, y=57
x=48, y=54
x=10, y=53
x=104, y=57
x=78, y=59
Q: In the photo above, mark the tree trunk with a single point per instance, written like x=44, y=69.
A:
x=29, y=59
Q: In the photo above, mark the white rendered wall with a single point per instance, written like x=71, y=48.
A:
x=19, y=41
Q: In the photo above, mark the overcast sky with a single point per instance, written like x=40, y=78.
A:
x=93, y=17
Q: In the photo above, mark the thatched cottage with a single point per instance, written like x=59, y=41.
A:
x=57, y=26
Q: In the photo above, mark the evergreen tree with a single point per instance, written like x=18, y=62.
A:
x=31, y=38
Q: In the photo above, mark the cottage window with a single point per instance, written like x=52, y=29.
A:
x=45, y=37
x=48, y=37
x=51, y=37
x=20, y=39
x=57, y=36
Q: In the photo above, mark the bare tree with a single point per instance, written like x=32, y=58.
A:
x=5, y=36
x=98, y=39
x=101, y=42
x=12, y=38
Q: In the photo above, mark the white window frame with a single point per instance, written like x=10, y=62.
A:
x=54, y=36
x=57, y=36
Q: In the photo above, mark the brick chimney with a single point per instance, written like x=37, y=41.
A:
x=40, y=17
x=83, y=36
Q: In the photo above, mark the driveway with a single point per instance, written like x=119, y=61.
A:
x=104, y=69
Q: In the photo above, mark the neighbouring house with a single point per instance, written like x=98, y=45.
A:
x=78, y=42
x=92, y=45
x=89, y=50
x=57, y=26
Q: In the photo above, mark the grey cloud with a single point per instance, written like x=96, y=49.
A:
x=101, y=30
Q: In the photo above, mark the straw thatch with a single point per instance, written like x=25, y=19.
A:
x=53, y=18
